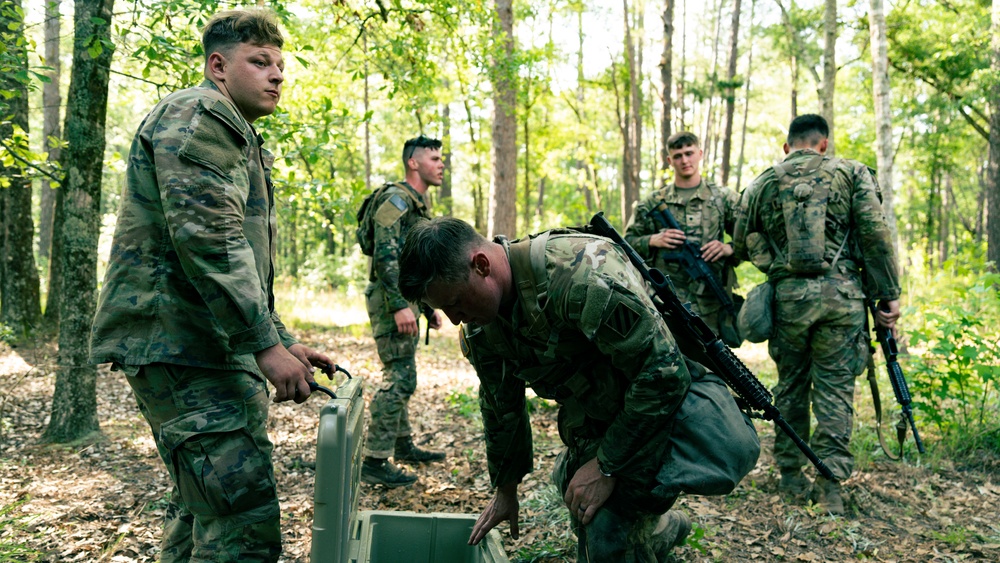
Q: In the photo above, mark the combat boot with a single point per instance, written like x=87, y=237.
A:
x=377, y=471
x=406, y=450
x=827, y=494
x=794, y=484
x=671, y=531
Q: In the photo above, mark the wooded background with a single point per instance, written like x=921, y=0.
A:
x=550, y=111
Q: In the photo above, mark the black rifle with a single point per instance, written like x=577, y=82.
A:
x=899, y=386
x=698, y=341
x=689, y=256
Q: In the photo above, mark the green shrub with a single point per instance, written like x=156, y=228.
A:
x=955, y=340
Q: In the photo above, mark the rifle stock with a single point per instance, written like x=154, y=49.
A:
x=701, y=344
x=689, y=256
x=899, y=387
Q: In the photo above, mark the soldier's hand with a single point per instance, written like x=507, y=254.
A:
x=668, y=238
x=288, y=373
x=406, y=321
x=435, y=320
x=310, y=358
x=715, y=250
x=887, y=313
x=504, y=506
x=588, y=490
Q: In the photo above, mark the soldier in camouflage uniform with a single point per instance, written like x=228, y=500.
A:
x=707, y=213
x=187, y=309
x=566, y=314
x=394, y=321
x=820, y=344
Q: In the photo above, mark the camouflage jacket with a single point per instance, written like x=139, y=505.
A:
x=707, y=213
x=190, y=275
x=585, y=334
x=395, y=212
x=853, y=210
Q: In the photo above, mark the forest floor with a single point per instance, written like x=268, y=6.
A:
x=103, y=499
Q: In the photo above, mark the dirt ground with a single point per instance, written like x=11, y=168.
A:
x=103, y=499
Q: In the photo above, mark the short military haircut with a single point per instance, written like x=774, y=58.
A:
x=436, y=250
x=421, y=142
x=681, y=140
x=226, y=30
x=807, y=129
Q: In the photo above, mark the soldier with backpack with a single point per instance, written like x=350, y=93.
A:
x=566, y=313
x=706, y=213
x=384, y=220
x=814, y=224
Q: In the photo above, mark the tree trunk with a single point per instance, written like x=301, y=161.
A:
x=793, y=56
x=447, y=200
x=993, y=175
x=368, y=146
x=666, y=70
x=727, y=139
x=746, y=100
x=582, y=172
x=74, y=404
x=503, y=189
x=526, y=211
x=683, y=73
x=883, y=113
x=20, y=308
x=708, y=161
x=829, y=68
x=51, y=102
x=632, y=134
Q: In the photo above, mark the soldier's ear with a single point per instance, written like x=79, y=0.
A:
x=481, y=264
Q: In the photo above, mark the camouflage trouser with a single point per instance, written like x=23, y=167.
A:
x=819, y=348
x=622, y=530
x=210, y=431
x=389, y=414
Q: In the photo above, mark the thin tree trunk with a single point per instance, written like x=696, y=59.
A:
x=51, y=102
x=993, y=176
x=447, y=199
x=526, y=213
x=883, y=113
x=793, y=57
x=681, y=77
x=632, y=134
x=727, y=139
x=74, y=404
x=666, y=70
x=829, y=68
x=20, y=308
x=746, y=100
x=503, y=189
x=582, y=173
x=708, y=163
x=368, y=146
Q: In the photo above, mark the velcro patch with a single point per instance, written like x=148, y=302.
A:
x=391, y=210
x=622, y=320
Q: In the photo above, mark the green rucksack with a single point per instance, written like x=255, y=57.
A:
x=803, y=195
x=365, y=232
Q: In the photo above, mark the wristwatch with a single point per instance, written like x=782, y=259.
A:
x=604, y=471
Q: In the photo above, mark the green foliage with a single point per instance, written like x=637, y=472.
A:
x=465, y=402
x=546, y=509
x=956, y=361
x=11, y=520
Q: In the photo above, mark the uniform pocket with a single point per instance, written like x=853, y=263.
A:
x=218, y=466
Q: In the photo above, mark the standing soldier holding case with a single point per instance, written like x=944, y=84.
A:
x=814, y=224
x=187, y=307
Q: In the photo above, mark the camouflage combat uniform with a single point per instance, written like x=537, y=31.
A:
x=186, y=302
x=706, y=213
x=597, y=346
x=820, y=345
x=397, y=209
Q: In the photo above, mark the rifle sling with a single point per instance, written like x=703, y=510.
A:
x=877, y=405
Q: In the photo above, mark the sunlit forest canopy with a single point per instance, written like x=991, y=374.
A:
x=363, y=76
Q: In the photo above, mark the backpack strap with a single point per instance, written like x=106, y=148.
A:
x=525, y=257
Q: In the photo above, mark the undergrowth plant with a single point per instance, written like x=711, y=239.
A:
x=954, y=339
